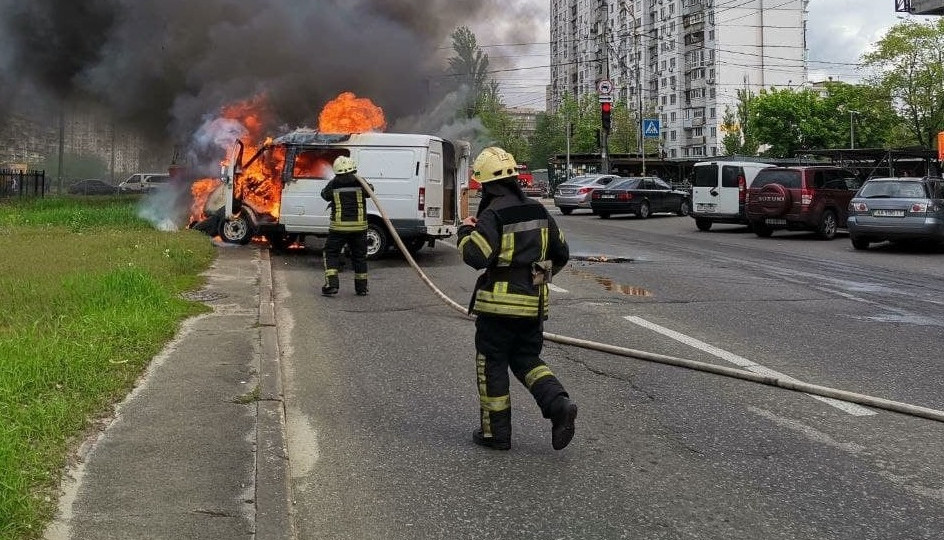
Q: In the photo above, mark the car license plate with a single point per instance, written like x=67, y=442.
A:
x=771, y=221
x=705, y=207
x=566, y=192
x=607, y=196
x=888, y=213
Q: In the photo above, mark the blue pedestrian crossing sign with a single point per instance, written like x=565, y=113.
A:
x=650, y=128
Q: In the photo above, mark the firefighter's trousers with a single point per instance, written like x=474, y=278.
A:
x=356, y=243
x=508, y=342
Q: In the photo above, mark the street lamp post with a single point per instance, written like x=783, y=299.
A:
x=852, y=128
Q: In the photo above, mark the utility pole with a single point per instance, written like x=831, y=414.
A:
x=637, y=54
x=605, y=131
x=570, y=128
x=852, y=128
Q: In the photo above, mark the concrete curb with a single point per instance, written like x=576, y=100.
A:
x=273, y=484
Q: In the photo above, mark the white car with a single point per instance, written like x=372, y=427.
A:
x=143, y=182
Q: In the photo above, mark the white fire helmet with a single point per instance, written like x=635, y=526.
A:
x=344, y=164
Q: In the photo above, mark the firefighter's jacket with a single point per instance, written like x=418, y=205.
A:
x=348, y=203
x=510, y=238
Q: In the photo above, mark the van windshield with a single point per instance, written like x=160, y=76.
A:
x=706, y=176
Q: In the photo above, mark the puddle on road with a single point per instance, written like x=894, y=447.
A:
x=600, y=258
x=607, y=283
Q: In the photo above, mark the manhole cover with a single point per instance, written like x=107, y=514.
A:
x=202, y=296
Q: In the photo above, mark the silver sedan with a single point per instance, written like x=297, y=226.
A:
x=897, y=209
x=575, y=193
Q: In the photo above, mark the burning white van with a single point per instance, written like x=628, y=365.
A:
x=277, y=191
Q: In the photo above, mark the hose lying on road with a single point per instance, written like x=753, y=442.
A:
x=789, y=384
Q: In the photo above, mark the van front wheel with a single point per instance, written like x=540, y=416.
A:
x=703, y=224
x=378, y=241
x=238, y=230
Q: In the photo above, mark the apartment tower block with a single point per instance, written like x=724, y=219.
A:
x=681, y=61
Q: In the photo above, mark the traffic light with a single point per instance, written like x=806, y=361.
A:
x=605, y=109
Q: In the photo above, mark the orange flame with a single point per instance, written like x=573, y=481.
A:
x=200, y=192
x=348, y=113
x=258, y=186
x=252, y=114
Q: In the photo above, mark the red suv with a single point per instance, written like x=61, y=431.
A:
x=801, y=199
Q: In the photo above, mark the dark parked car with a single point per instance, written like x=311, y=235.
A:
x=642, y=196
x=92, y=187
x=575, y=193
x=812, y=198
x=897, y=209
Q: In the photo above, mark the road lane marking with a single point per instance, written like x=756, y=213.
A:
x=740, y=361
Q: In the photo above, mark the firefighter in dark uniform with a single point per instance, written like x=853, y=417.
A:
x=518, y=244
x=348, y=226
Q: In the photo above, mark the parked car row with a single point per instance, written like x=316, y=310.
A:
x=819, y=198
x=607, y=194
x=768, y=198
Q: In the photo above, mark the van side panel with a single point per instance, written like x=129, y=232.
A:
x=394, y=174
x=303, y=209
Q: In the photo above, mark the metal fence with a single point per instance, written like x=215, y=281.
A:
x=22, y=183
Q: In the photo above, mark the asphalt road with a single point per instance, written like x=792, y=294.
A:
x=381, y=398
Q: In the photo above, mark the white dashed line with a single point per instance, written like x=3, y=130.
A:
x=740, y=361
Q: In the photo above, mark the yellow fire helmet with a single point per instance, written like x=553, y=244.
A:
x=493, y=163
x=344, y=164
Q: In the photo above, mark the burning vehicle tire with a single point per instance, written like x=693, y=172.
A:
x=378, y=242
x=238, y=230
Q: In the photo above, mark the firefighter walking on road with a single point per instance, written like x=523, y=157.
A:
x=348, y=204
x=518, y=244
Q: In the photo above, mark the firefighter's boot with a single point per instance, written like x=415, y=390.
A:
x=330, y=288
x=360, y=287
x=489, y=442
x=562, y=423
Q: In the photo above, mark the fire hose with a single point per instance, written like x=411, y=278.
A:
x=788, y=384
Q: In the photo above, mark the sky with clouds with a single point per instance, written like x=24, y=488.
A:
x=838, y=33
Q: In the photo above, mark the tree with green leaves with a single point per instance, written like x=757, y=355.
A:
x=503, y=129
x=739, y=138
x=469, y=66
x=788, y=120
x=909, y=67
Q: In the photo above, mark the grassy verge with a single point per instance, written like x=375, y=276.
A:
x=89, y=293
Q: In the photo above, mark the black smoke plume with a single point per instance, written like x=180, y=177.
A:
x=163, y=66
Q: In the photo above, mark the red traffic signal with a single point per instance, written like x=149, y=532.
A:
x=605, y=109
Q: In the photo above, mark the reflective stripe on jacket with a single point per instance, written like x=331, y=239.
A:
x=348, y=203
x=509, y=236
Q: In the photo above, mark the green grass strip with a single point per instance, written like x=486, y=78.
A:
x=89, y=293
